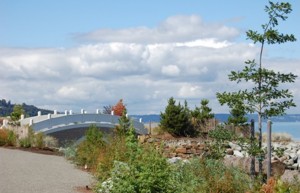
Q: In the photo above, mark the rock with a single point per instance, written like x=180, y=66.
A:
x=180, y=150
x=290, y=175
x=238, y=153
x=234, y=146
x=229, y=151
x=244, y=163
x=174, y=160
x=295, y=166
x=289, y=162
x=143, y=138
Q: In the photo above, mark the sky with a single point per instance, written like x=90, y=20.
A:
x=72, y=55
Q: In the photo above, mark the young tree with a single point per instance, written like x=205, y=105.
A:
x=201, y=115
x=124, y=123
x=175, y=119
x=119, y=108
x=266, y=97
x=237, y=113
x=17, y=112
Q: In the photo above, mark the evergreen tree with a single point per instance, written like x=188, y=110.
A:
x=201, y=115
x=175, y=119
x=17, y=112
x=124, y=123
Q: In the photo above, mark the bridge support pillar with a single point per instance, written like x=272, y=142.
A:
x=30, y=122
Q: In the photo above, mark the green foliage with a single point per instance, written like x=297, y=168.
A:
x=124, y=123
x=89, y=149
x=238, y=113
x=7, y=137
x=220, y=138
x=264, y=94
x=176, y=119
x=17, y=112
x=29, y=140
x=115, y=150
x=251, y=146
x=39, y=140
x=25, y=142
x=142, y=169
x=201, y=115
x=279, y=152
x=12, y=138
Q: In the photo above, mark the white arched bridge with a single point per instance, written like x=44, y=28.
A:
x=73, y=126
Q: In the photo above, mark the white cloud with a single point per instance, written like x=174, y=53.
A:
x=179, y=28
x=183, y=57
x=170, y=70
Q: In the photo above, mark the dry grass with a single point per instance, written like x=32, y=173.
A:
x=278, y=137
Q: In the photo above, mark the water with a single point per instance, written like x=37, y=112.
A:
x=292, y=128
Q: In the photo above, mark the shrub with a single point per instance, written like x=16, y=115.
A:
x=50, y=141
x=39, y=140
x=142, y=169
x=7, y=137
x=11, y=138
x=89, y=149
x=3, y=136
x=25, y=142
x=220, y=138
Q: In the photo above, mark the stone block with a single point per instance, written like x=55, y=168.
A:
x=180, y=150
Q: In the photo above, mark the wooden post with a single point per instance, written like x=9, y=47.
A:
x=269, y=148
x=252, y=138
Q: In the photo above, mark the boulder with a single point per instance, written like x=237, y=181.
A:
x=238, y=153
x=244, y=163
x=180, y=150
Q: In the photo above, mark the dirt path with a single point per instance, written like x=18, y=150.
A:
x=26, y=172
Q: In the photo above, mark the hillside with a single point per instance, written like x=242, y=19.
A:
x=6, y=108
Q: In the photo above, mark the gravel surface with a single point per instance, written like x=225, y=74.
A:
x=25, y=172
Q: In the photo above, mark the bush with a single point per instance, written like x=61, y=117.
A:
x=220, y=138
x=11, y=138
x=25, y=142
x=28, y=141
x=50, y=141
x=7, y=137
x=3, y=136
x=208, y=175
x=39, y=140
x=89, y=149
x=141, y=169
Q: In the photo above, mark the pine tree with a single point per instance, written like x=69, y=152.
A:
x=201, y=115
x=175, y=119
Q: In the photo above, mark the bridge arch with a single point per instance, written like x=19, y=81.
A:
x=73, y=126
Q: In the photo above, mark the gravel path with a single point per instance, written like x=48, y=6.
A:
x=25, y=172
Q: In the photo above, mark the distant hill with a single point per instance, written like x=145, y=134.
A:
x=6, y=108
x=224, y=118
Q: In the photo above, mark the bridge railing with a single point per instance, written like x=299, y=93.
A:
x=84, y=119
